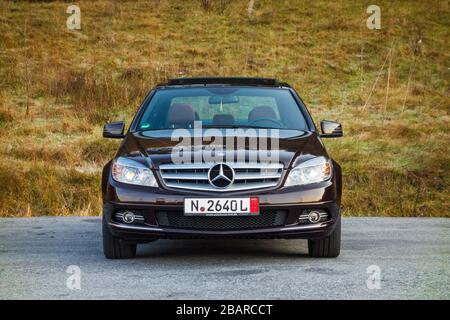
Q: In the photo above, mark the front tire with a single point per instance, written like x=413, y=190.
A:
x=113, y=247
x=328, y=247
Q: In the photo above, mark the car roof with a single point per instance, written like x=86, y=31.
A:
x=234, y=81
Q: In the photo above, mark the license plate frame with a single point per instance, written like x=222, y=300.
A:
x=221, y=206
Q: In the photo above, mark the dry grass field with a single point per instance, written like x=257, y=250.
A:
x=389, y=88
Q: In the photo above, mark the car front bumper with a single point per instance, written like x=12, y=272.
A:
x=149, y=201
x=145, y=232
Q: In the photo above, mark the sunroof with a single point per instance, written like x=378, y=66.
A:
x=224, y=80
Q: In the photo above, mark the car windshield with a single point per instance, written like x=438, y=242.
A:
x=222, y=107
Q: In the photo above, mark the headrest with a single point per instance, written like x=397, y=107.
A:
x=180, y=114
x=261, y=112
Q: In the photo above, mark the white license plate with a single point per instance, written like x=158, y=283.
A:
x=221, y=206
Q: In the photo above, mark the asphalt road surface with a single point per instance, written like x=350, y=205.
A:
x=410, y=256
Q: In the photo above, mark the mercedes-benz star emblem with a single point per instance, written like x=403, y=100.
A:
x=221, y=175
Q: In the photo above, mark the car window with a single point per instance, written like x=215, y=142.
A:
x=222, y=107
x=239, y=110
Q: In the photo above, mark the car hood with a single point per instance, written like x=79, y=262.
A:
x=294, y=146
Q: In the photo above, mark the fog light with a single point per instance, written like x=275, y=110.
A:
x=128, y=217
x=314, y=216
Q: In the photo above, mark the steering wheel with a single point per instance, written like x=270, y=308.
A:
x=278, y=123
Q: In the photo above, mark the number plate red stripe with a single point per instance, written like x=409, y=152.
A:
x=254, y=205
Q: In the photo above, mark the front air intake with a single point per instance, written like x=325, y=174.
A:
x=266, y=219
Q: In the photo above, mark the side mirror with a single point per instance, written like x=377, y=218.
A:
x=330, y=129
x=114, y=130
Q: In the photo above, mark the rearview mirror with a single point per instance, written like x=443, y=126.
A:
x=330, y=129
x=114, y=130
x=223, y=99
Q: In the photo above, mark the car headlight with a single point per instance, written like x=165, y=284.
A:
x=310, y=171
x=126, y=170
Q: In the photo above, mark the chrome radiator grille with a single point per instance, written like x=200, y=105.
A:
x=247, y=176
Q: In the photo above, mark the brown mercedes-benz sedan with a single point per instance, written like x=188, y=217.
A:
x=221, y=158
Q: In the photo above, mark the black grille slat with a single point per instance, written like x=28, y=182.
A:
x=176, y=219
